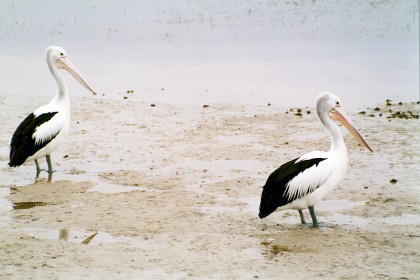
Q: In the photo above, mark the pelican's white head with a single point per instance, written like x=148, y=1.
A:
x=53, y=53
x=326, y=101
x=329, y=106
x=57, y=59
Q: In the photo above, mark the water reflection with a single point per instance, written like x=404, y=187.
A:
x=38, y=172
x=27, y=204
x=89, y=238
x=76, y=236
x=63, y=234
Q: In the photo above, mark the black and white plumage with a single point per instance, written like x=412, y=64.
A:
x=304, y=181
x=43, y=130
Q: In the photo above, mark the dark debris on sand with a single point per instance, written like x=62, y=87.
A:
x=398, y=110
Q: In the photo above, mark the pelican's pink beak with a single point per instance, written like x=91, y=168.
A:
x=64, y=63
x=338, y=114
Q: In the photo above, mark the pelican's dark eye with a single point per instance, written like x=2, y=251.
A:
x=337, y=103
x=62, y=54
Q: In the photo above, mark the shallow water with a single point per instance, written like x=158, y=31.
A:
x=405, y=219
x=215, y=52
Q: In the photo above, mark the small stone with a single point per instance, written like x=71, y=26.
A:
x=393, y=181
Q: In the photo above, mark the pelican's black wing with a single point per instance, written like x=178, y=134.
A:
x=23, y=144
x=273, y=194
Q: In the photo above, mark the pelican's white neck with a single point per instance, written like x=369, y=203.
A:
x=337, y=141
x=61, y=84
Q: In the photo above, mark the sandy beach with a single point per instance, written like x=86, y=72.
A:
x=172, y=192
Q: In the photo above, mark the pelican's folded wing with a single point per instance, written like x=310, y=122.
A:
x=277, y=191
x=24, y=144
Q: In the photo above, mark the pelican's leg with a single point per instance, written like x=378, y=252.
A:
x=38, y=169
x=50, y=177
x=313, y=216
x=302, y=218
x=50, y=170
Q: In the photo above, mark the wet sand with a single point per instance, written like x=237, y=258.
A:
x=172, y=192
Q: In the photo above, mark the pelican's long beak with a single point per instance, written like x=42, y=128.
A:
x=338, y=114
x=64, y=63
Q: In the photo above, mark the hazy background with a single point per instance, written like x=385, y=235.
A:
x=279, y=52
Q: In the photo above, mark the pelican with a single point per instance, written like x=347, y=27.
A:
x=304, y=181
x=39, y=134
